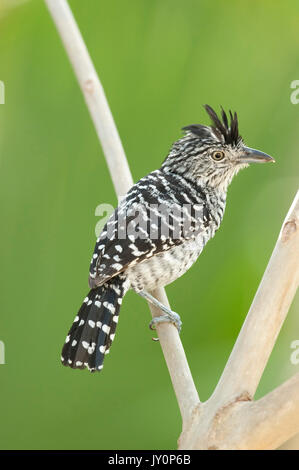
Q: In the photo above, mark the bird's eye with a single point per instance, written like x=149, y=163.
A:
x=218, y=155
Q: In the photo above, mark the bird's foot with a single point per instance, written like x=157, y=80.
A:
x=169, y=317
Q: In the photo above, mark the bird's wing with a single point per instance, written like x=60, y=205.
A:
x=154, y=216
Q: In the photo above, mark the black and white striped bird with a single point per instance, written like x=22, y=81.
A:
x=158, y=231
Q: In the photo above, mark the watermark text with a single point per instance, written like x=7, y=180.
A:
x=294, y=357
x=295, y=94
x=2, y=353
x=2, y=92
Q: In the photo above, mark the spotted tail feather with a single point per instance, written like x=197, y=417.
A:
x=93, y=329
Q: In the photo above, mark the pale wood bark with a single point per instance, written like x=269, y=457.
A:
x=230, y=419
x=270, y=306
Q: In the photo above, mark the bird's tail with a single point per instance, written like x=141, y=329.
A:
x=93, y=329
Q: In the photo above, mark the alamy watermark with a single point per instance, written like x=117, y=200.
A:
x=294, y=357
x=155, y=221
x=104, y=211
x=2, y=92
x=295, y=94
x=2, y=353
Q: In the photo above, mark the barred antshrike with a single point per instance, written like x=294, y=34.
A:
x=179, y=208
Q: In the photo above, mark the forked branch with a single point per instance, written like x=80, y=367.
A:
x=229, y=419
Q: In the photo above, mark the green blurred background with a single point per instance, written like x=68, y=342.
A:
x=159, y=61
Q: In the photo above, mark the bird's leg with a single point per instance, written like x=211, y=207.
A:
x=169, y=316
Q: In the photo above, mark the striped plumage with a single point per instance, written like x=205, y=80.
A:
x=93, y=329
x=158, y=231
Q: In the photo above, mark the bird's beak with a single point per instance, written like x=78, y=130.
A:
x=254, y=156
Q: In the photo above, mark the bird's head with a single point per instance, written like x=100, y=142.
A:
x=212, y=154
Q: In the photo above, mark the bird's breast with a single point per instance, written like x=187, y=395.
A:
x=167, y=266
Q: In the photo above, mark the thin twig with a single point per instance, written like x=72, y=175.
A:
x=93, y=93
x=119, y=169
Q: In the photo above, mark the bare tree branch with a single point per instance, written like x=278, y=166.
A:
x=274, y=418
x=230, y=419
x=270, y=306
x=242, y=424
x=291, y=444
x=119, y=170
x=93, y=93
x=176, y=360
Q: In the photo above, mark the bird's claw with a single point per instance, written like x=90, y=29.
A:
x=172, y=317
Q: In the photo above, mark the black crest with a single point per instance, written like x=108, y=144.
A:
x=221, y=127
